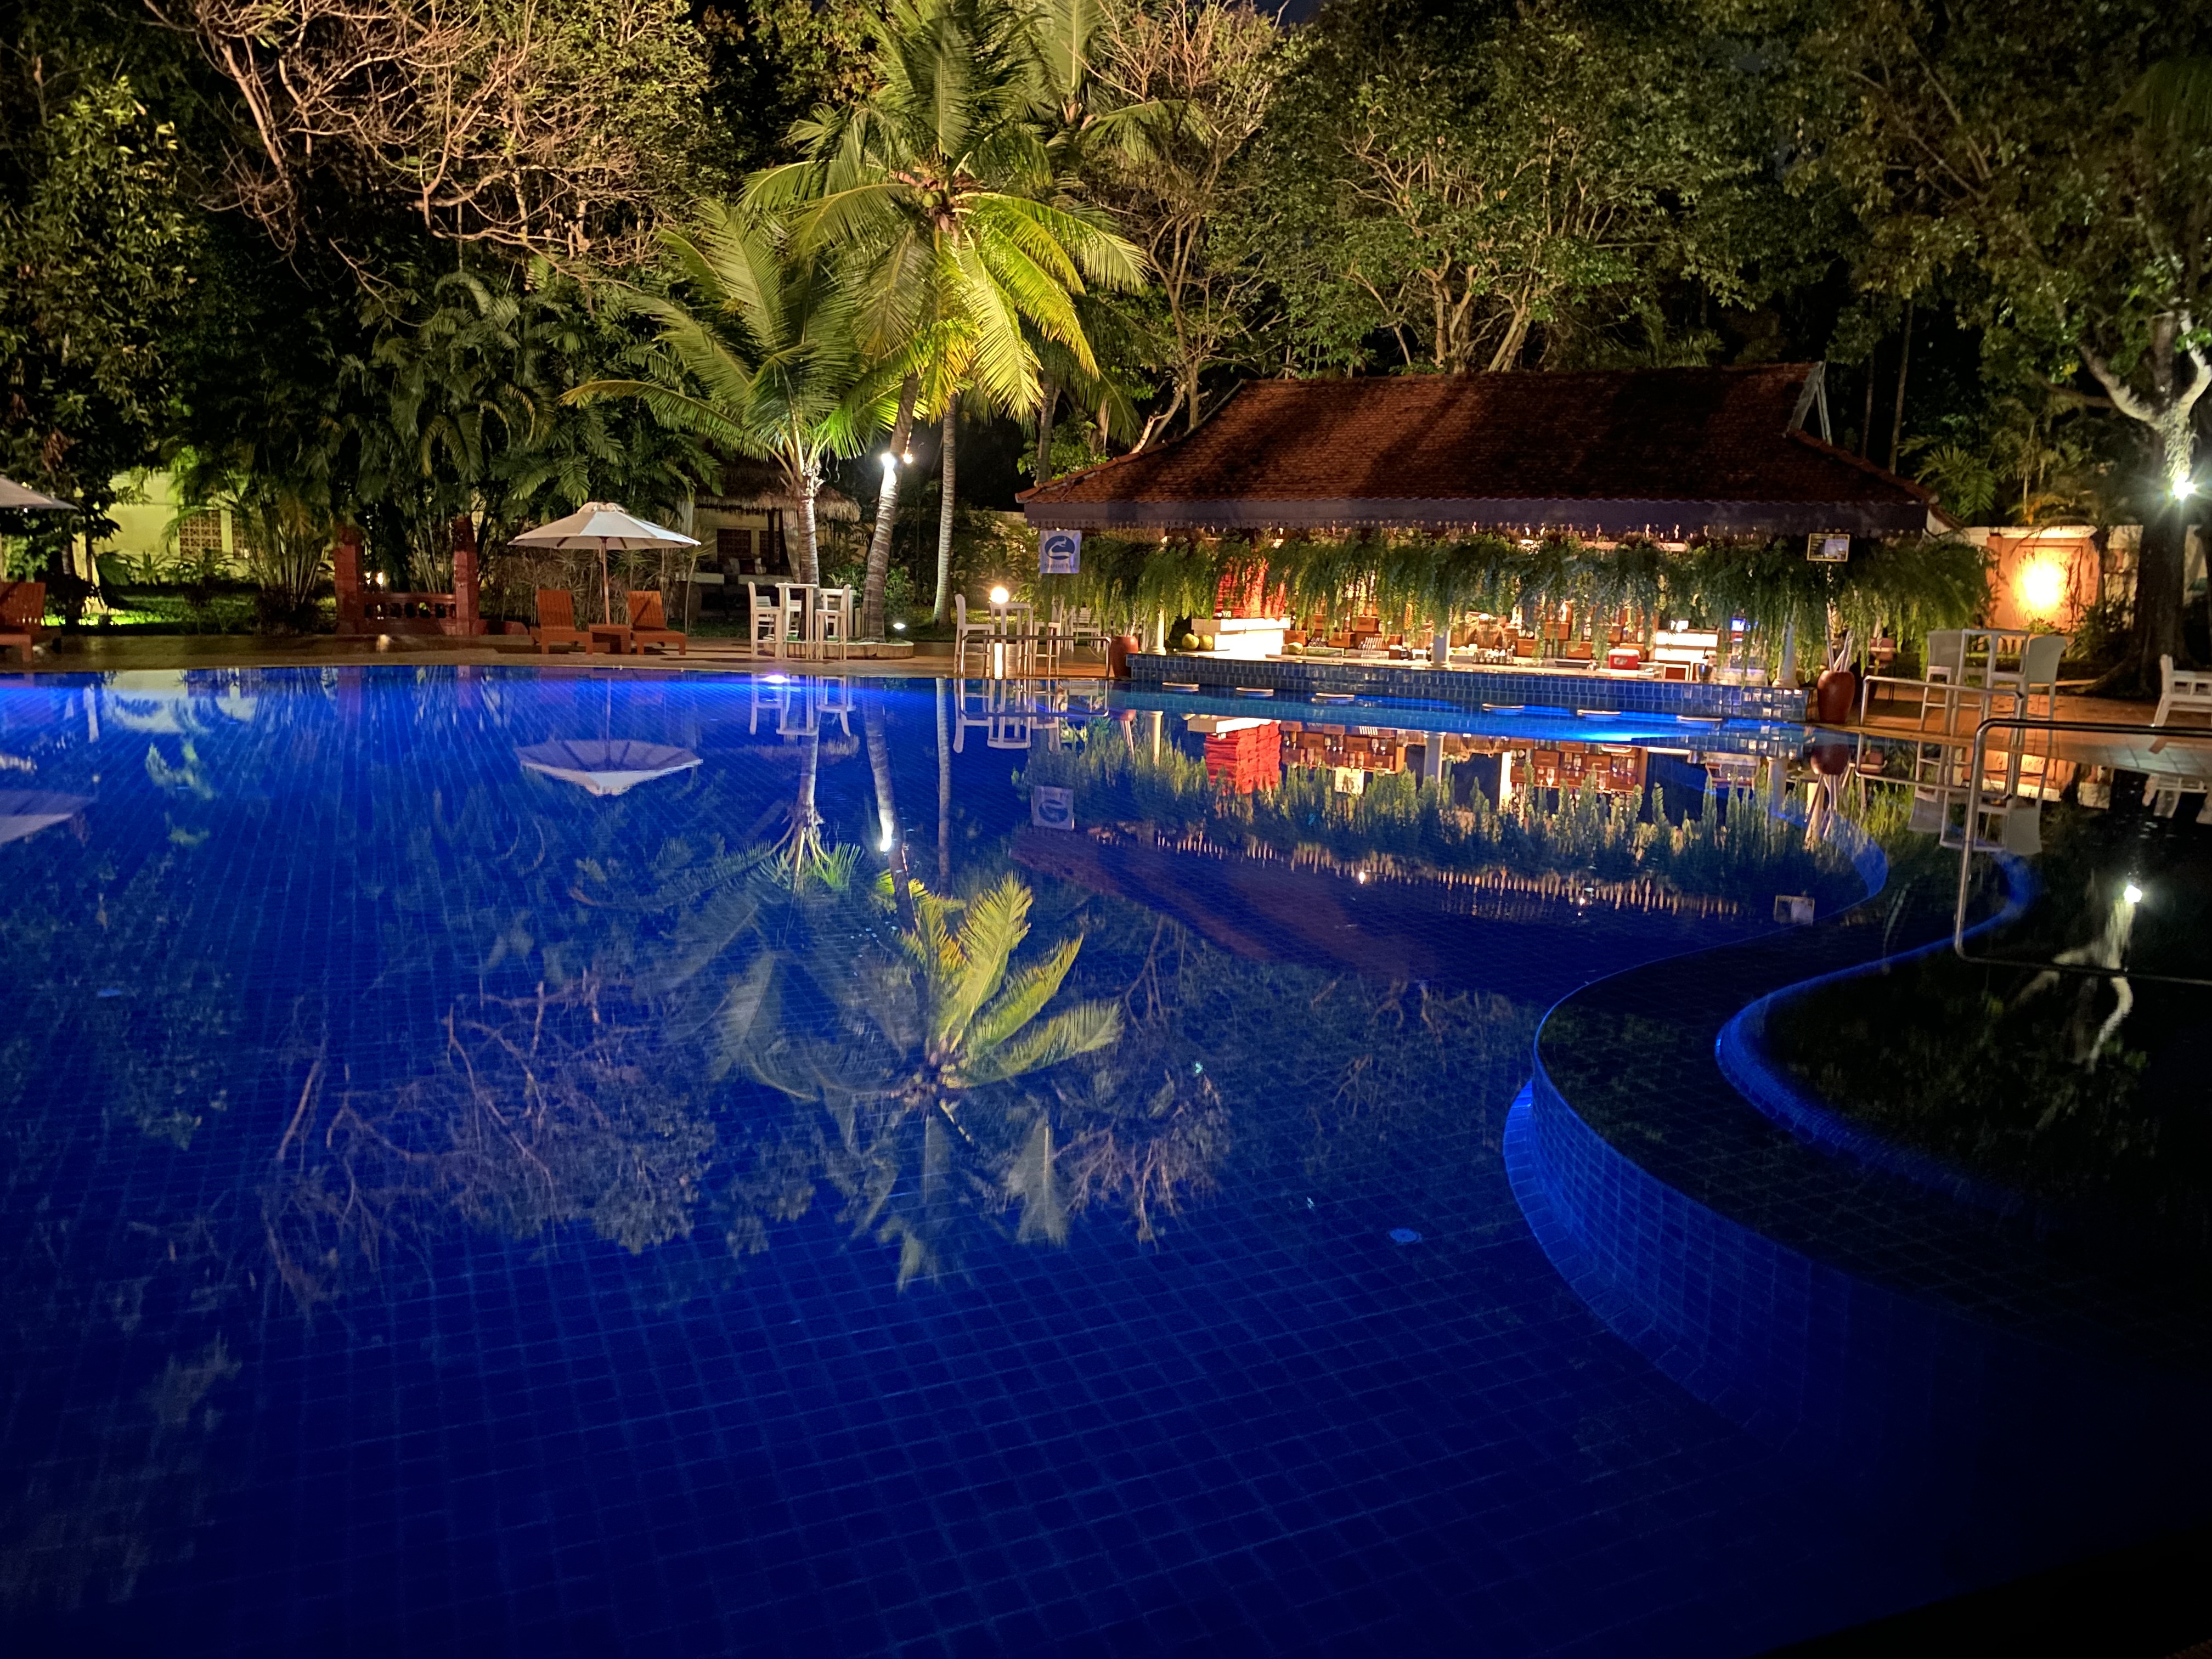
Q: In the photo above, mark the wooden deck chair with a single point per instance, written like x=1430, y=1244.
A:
x=556, y=621
x=22, y=615
x=648, y=624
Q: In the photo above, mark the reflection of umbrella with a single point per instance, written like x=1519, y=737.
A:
x=605, y=766
x=603, y=526
x=26, y=812
x=14, y=495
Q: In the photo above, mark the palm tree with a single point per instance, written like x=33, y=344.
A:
x=769, y=340
x=920, y=1044
x=939, y=195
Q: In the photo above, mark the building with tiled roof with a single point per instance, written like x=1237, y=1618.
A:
x=1669, y=453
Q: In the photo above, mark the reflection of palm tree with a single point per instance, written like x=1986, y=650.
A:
x=800, y=851
x=922, y=1042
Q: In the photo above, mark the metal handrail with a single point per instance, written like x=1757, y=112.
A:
x=1973, y=790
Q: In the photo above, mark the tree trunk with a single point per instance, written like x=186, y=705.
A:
x=879, y=543
x=943, y=791
x=891, y=842
x=1903, y=368
x=805, y=481
x=2160, y=567
x=1047, y=404
x=2167, y=410
x=1866, y=421
x=946, y=479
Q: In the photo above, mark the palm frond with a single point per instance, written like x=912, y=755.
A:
x=1082, y=1030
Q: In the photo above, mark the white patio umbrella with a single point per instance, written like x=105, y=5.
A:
x=15, y=495
x=26, y=812
x=604, y=526
x=605, y=766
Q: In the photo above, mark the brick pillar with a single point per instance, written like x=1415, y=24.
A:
x=466, y=580
x=345, y=576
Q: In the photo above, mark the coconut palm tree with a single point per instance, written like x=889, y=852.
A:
x=763, y=354
x=937, y=194
x=914, y=1063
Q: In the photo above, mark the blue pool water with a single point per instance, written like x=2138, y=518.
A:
x=410, y=1249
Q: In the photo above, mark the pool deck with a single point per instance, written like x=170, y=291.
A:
x=91, y=653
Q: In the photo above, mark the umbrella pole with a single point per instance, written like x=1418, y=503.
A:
x=606, y=590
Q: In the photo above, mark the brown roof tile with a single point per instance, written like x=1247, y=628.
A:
x=1687, y=448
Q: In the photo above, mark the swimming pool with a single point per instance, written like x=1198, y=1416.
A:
x=486, y=1172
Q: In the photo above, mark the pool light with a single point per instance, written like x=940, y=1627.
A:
x=779, y=679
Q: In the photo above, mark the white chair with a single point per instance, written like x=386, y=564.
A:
x=970, y=709
x=963, y=631
x=2038, y=668
x=2181, y=692
x=833, y=623
x=833, y=700
x=767, y=617
x=1945, y=665
x=797, y=636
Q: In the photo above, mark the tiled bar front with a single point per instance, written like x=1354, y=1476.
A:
x=1472, y=688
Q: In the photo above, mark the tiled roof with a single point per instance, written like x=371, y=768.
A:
x=1667, y=450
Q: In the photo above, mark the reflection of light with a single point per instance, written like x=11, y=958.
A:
x=2132, y=893
x=1362, y=878
x=2042, y=586
x=1000, y=596
x=779, y=679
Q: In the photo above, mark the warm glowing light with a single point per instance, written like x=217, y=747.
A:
x=2132, y=893
x=2185, y=487
x=1000, y=596
x=1362, y=878
x=2043, y=587
x=906, y=455
x=898, y=628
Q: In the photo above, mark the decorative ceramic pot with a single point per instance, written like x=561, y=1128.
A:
x=1833, y=696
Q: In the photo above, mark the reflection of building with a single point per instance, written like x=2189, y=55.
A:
x=750, y=524
x=1613, y=770
x=1364, y=749
x=1244, y=755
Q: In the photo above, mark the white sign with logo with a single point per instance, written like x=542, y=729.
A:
x=1052, y=806
x=1059, y=552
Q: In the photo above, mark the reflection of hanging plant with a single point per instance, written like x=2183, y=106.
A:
x=912, y=1067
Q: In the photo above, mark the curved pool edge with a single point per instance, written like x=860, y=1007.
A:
x=1902, y=1406
x=1750, y=1067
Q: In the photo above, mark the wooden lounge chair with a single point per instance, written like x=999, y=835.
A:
x=22, y=615
x=556, y=621
x=648, y=624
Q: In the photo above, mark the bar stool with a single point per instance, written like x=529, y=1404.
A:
x=766, y=628
x=833, y=623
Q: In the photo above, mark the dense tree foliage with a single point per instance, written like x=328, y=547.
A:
x=340, y=263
